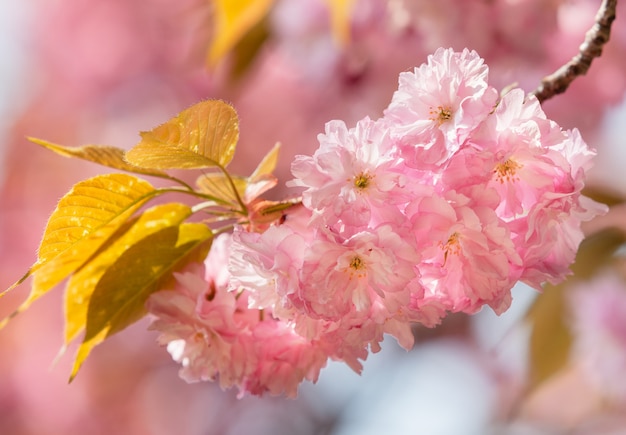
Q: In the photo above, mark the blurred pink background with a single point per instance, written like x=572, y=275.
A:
x=99, y=71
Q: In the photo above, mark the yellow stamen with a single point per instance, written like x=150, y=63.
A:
x=507, y=171
x=357, y=268
x=441, y=114
x=362, y=180
x=356, y=263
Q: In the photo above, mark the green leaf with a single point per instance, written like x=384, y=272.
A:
x=84, y=219
x=104, y=155
x=82, y=284
x=119, y=298
x=204, y=135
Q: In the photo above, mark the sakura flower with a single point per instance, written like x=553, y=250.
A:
x=438, y=105
x=350, y=339
x=519, y=142
x=199, y=320
x=548, y=238
x=213, y=334
x=468, y=258
x=285, y=359
x=538, y=172
x=426, y=309
x=440, y=206
x=514, y=152
x=540, y=175
x=345, y=277
x=268, y=266
x=197, y=325
x=351, y=175
x=578, y=156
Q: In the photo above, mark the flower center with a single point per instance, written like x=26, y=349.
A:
x=506, y=171
x=362, y=181
x=441, y=114
x=357, y=267
x=357, y=263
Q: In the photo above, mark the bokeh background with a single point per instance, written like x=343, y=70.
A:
x=75, y=72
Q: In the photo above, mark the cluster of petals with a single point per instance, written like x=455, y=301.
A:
x=440, y=206
x=213, y=334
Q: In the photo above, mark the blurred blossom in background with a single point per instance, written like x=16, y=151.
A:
x=75, y=72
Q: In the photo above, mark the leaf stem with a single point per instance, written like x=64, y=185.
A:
x=244, y=209
x=179, y=181
x=224, y=229
x=195, y=193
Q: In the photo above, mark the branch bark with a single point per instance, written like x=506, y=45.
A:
x=596, y=37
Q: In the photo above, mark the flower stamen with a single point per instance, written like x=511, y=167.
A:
x=357, y=267
x=452, y=246
x=357, y=263
x=506, y=171
x=362, y=181
x=441, y=114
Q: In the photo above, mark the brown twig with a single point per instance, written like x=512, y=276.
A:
x=591, y=48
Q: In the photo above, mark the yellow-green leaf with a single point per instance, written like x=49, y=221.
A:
x=104, y=155
x=84, y=219
x=201, y=136
x=246, y=50
x=596, y=251
x=267, y=165
x=82, y=284
x=119, y=298
x=550, y=339
x=604, y=195
x=218, y=185
x=232, y=20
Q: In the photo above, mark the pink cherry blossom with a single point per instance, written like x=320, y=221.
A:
x=438, y=105
x=547, y=239
x=197, y=324
x=538, y=171
x=468, y=258
x=285, y=359
x=510, y=153
x=345, y=277
x=350, y=339
x=268, y=266
x=212, y=333
x=352, y=175
x=197, y=319
x=441, y=206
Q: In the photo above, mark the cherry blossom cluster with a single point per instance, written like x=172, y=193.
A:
x=438, y=207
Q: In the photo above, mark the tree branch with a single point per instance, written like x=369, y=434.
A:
x=596, y=37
